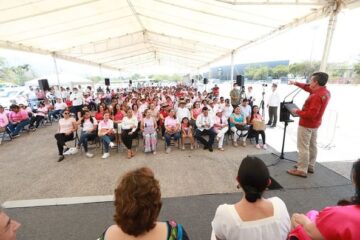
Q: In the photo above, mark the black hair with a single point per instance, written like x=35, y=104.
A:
x=321, y=78
x=83, y=120
x=355, y=175
x=253, y=176
x=182, y=121
x=252, y=112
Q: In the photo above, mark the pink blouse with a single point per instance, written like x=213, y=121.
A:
x=339, y=222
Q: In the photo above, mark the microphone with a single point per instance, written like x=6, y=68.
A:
x=297, y=89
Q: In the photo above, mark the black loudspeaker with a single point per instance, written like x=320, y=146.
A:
x=206, y=81
x=130, y=82
x=107, y=81
x=44, y=84
x=192, y=80
x=240, y=80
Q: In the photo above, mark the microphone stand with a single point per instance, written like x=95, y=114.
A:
x=286, y=121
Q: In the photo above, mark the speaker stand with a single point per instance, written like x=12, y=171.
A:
x=282, y=156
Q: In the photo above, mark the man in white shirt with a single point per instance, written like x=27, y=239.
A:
x=59, y=107
x=273, y=104
x=205, y=125
x=182, y=111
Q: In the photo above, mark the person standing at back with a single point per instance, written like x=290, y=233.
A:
x=235, y=96
x=310, y=120
x=273, y=104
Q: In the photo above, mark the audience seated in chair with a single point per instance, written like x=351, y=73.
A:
x=238, y=126
x=221, y=127
x=18, y=118
x=253, y=217
x=257, y=127
x=205, y=126
x=148, y=127
x=65, y=133
x=172, y=129
x=88, y=126
x=137, y=208
x=107, y=134
x=129, y=131
x=38, y=116
x=187, y=133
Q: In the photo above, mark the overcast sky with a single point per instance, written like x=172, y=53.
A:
x=303, y=43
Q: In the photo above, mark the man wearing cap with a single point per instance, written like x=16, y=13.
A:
x=182, y=111
x=205, y=123
x=273, y=104
x=310, y=120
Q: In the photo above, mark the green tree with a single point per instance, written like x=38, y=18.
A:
x=261, y=73
x=357, y=68
x=279, y=71
x=304, y=69
x=15, y=74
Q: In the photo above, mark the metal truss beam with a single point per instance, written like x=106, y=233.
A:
x=20, y=47
x=269, y=2
x=128, y=57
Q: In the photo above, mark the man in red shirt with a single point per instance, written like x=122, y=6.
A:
x=310, y=120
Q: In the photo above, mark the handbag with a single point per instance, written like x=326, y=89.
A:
x=259, y=125
x=243, y=127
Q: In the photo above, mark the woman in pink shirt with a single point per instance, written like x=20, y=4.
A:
x=195, y=112
x=336, y=222
x=67, y=127
x=4, y=121
x=256, y=117
x=18, y=119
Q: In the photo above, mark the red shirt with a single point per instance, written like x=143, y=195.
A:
x=314, y=106
x=119, y=116
x=99, y=116
x=68, y=103
x=164, y=113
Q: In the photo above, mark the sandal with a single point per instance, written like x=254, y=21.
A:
x=129, y=154
x=297, y=173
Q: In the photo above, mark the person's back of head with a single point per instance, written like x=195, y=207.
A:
x=253, y=177
x=137, y=202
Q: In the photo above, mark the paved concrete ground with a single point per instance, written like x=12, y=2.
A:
x=88, y=221
x=29, y=169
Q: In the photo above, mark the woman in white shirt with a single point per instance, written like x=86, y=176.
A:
x=88, y=131
x=67, y=127
x=106, y=134
x=253, y=217
x=129, y=128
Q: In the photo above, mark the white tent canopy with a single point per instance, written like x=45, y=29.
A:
x=65, y=80
x=124, y=34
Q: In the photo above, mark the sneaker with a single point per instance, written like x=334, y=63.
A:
x=89, y=155
x=66, y=151
x=112, y=145
x=15, y=135
x=257, y=146
x=235, y=144
x=105, y=155
x=264, y=146
x=168, y=150
x=243, y=144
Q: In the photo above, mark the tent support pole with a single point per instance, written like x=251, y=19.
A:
x=56, y=70
x=232, y=69
x=328, y=41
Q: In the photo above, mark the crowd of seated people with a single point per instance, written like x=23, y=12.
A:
x=180, y=114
